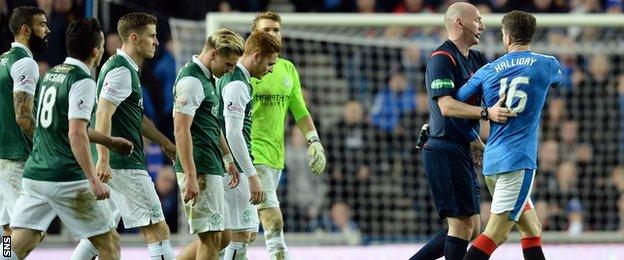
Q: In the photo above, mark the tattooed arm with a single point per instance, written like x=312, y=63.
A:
x=23, y=105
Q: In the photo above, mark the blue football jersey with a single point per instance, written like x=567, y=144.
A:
x=525, y=76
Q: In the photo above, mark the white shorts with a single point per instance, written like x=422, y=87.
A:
x=269, y=178
x=209, y=211
x=10, y=187
x=134, y=195
x=243, y=216
x=511, y=192
x=72, y=201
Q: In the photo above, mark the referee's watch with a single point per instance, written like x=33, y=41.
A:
x=484, y=113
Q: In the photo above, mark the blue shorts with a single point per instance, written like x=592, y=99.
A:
x=452, y=177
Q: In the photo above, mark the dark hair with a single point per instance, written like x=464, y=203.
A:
x=82, y=36
x=520, y=26
x=23, y=15
x=133, y=23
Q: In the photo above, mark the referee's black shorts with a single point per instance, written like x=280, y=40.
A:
x=452, y=178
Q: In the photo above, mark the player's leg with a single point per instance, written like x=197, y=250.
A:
x=270, y=213
x=510, y=193
x=107, y=245
x=209, y=246
x=134, y=195
x=35, y=213
x=189, y=251
x=85, y=250
x=10, y=187
x=23, y=241
x=531, y=233
x=237, y=248
x=86, y=217
x=242, y=219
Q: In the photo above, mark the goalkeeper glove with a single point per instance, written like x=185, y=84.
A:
x=316, y=153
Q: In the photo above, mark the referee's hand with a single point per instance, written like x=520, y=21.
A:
x=499, y=112
x=476, y=148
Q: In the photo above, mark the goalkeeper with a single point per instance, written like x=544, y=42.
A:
x=274, y=95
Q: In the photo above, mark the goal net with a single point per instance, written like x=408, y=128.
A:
x=363, y=79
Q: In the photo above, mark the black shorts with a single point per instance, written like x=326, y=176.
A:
x=452, y=177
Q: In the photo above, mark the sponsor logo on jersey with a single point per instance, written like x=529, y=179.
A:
x=286, y=82
x=4, y=61
x=442, y=83
x=234, y=108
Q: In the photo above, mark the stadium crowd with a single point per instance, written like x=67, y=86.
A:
x=375, y=184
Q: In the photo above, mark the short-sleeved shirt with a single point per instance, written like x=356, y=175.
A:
x=195, y=94
x=18, y=72
x=447, y=70
x=273, y=96
x=119, y=83
x=67, y=92
x=525, y=76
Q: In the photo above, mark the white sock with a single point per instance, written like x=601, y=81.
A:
x=236, y=251
x=161, y=250
x=84, y=251
x=276, y=246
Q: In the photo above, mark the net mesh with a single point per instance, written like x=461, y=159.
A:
x=365, y=89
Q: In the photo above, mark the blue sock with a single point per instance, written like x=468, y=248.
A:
x=455, y=248
x=434, y=249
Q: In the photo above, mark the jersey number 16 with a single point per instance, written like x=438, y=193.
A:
x=513, y=92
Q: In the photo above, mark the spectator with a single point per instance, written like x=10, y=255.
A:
x=58, y=22
x=165, y=74
x=340, y=221
x=306, y=191
x=350, y=153
x=166, y=188
x=392, y=102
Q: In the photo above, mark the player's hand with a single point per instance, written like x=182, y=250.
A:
x=170, y=151
x=234, y=174
x=103, y=171
x=191, y=189
x=317, y=158
x=99, y=189
x=121, y=145
x=476, y=148
x=257, y=195
x=498, y=112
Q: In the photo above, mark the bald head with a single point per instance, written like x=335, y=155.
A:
x=459, y=10
x=463, y=25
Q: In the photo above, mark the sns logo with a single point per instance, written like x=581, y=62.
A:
x=4, y=61
x=6, y=246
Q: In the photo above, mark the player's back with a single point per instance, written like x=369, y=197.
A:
x=52, y=158
x=525, y=77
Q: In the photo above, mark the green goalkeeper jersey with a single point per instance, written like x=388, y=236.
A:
x=273, y=96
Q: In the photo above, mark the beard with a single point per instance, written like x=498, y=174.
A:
x=37, y=44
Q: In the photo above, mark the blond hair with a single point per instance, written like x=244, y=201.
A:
x=226, y=42
x=262, y=42
x=266, y=15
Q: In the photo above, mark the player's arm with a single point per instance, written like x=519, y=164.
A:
x=117, y=144
x=188, y=97
x=151, y=132
x=228, y=160
x=235, y=98
x=116, y=88
x=25, y=74
x=305, y=123
x=81, y=100
x=557, y=77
